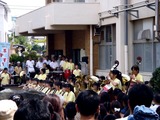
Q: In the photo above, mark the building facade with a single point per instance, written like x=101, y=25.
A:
x=102, y=30
x=4, y=17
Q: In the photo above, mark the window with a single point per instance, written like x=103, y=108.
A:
x=107, y=48
x=144, y=50
x=150, y=52
x=79, y=0
x=157, y=51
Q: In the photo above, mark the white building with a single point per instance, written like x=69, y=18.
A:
x=4, y=18
x=70, y=26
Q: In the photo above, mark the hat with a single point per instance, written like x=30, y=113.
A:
x=7, y=109
x=94, y=78
x=18, y=62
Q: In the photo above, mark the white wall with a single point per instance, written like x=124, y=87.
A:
x=3, y=26
x=106, y=5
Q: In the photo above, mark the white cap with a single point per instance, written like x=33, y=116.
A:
x=18, y=62
x=94, y=78
x=7, y=109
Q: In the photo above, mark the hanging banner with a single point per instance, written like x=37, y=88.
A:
x=4, y=55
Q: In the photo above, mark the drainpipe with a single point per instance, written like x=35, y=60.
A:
x=126, y=40
x=156, y=29
x=91, y=51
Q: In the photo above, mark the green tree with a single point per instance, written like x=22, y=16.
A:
x=20, y=40
x=37, y=48
x=155, y=80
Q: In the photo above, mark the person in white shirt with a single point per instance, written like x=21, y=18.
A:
x=62, y=62
x=39, y=64
x=53, y=64
x=30, y=67
x=46, y=60
x=59, y=59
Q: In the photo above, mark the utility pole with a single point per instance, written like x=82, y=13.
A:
x=157, y=32
x=157, y=20
x=126, y=38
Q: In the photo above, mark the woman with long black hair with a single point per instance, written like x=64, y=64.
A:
x=115, y=79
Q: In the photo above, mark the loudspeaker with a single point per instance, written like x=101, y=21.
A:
x=85, y=59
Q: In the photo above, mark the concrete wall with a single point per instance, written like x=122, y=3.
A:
x=3, y=26
x=58, y=14
x=106, y=5
x=59, y=42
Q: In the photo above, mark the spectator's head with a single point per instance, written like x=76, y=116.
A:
x=68, y=88
x=120, y=97
x=70, y=110
x=158, y=110
x=102, y=78
x=113, y=74
x=110, y=117
x=17, y=98
x=37, y=71
x=140, y=94
x=135, y=69
x=7, y=109
x=58, y=85
x=104, y=97
x=96, y=86
x=5, y=70
x=48, y=84
x=18, y=63
x=156, y=98
x=87, y=103
x=53, y=59
x=125, y=101
x=34, y=109
x=116, y=74
x=55, y=102
x=115, y=108
x=30, y=58
x=76, y=66
x=43, y=71
x=41, y=59
x=70, y=60
x=116, y=92
x=44, y=65
x=103, y=112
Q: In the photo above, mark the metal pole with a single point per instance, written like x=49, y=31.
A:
x=156, y=29
x=91, y=51
x=126, y=40
x=157, y=18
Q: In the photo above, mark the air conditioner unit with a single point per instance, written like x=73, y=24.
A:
x=144, y=34
x=97, y=31
x=80, y=0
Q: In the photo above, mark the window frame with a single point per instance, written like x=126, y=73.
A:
x=108, y=44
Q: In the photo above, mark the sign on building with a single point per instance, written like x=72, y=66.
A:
x=4, y=54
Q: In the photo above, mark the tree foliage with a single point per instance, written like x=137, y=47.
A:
x=155, y=80
x=38, y=48
x=15, y=58
x=20, y=40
